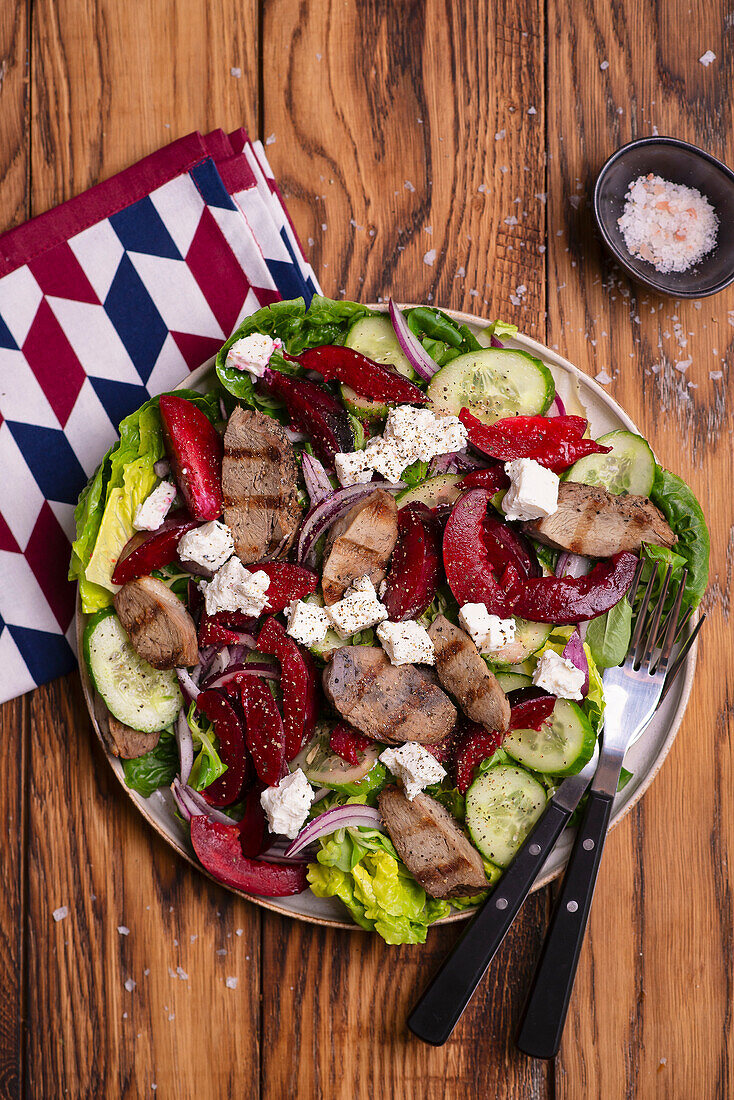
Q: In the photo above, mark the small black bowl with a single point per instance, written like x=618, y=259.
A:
x=678, y=162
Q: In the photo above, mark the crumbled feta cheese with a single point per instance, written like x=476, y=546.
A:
x=359, y=609
x=414, y=766
x=449, y=435
x=352, y=468
x=287, y=804
x=210, y=545
x=150, y=514
x=407, y=643
x=234, y=588
x=533, y=492
x=307, y=622
x=489, y=633
x=559, y=676
x=384, y=457
x=252, y=353
x=411, y=430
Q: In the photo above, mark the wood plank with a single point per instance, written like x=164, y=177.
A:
x=14, y=207
x=384, y=119
x=650, y=1015
x=112, y=82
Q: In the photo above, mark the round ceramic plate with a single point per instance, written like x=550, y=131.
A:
x=582, y=395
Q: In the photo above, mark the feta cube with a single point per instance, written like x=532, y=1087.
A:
x=407, y=643
x=412, y=430
x=234, y=588
x=559, y=676
x=287, y=804
x=449, y=435
x=386, y=458
x=533, y=492
x=415, y=767
x=358, y=610
x=307, y=622
x=489, y=633
x=252, y=353
x=352, y=468
x=150, y=514
x=209, y=545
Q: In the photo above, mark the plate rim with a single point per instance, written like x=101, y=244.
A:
x=546, y=355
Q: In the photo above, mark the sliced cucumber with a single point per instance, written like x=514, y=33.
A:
x=510, y=681
x=562, y=745
x=493, y=383
x=137, y=694
x=437, y=490
x=374, y=337
x=628, y=468
x=324, y=768
x=529, y=637
x=502, y=806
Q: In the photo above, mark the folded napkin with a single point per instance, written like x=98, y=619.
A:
x=105, y=301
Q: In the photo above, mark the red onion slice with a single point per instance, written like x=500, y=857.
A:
x=411, y=346
x=574, y=652
x=557, y=408
x=318, y=485
x=185, y=742
x=195, y=805
x=328, y=511
x=340, y=817
x=255, y=668
x=457, y=462
x=572, y=565
x=189, y=690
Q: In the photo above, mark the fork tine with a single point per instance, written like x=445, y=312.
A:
x=632, y=590
x=679, y=660
x=669, y=635
x=682, y=622
x=652, y=635
x=641, y=616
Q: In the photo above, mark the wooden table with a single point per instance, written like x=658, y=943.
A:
x=443, y=152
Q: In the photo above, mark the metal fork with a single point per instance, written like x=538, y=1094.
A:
x=632, y=691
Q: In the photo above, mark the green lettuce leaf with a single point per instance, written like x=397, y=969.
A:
x=208, y=764
x=107, y=504
x=157, y=768
x=608, y=636
x=593, y=704
x=681, y=509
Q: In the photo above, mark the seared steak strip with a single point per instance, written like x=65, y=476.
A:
x=161, y=630
x=388, y=703
x=122, y=740
x=259, y=486
x=598, y=524
x=465, y=675
x=431, y=845
x=360, y=544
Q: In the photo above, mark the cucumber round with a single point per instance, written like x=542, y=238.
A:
x=493, y=383
x=433, y=492
x=324, y=768
x=510, y=681
x=502, y=806
x=628, y=468
x=374, y=337
x=143, y=697
x=562, y=745
x=529, y=637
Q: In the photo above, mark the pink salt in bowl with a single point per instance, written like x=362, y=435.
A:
x=681, y=163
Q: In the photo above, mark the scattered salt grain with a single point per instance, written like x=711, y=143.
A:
x=231, y=983
x=123, y=930
x=460, y=273
x=667, y=224
x=603, y=377
x=182, y=974
x=270, y=140
x=60, y=913
x=430, y=257
x=499, y=135
x=238, y=931
x=604, y=65
x=221, y=951
x=707, y=58
x=512, y=220
x=532, y=111
x=408, y=186
x=715, y=375
x=236, y=73
x=130, y=985
x=575, y=201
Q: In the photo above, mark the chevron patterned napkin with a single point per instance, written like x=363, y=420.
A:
x=105, y=301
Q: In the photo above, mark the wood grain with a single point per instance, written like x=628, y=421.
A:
x=384, y=118
x=651, y=1013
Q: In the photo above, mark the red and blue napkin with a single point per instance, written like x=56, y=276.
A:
x=105, y=301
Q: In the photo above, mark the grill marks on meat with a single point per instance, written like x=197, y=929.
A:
x=259, y=486
x=160, y=628
x=596, y=523
x=388, y=703
x=360, y=544
x=431, y=845
x=465, y=675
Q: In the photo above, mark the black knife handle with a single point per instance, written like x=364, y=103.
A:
x=544, y=1015
x=437, y=1012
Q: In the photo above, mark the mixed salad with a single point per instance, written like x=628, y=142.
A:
x=352, y=603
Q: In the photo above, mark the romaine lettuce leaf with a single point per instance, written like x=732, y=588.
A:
x=154, y=769
x=208, y=764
